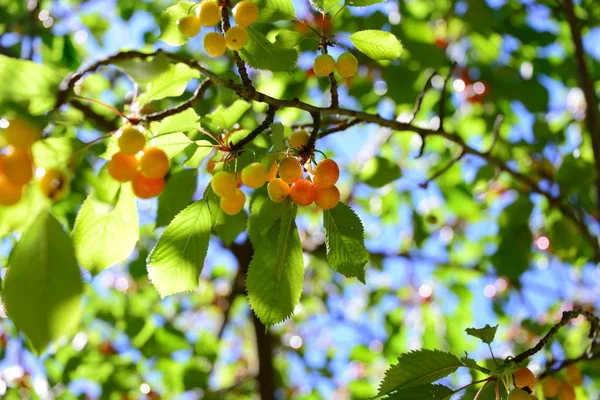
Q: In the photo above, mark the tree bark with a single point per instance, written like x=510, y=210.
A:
x=264, y=339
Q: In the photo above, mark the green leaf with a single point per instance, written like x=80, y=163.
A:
x=325, y=5
x=264, y=213
x=470, y=363
x=362, y=3
x=169, y=32
x=227, y=227
x=511, y=258
x=171, y=143
x=423, y=392
x=418, y=368
x=379, y=171
x=43, y=286
x=53, y=152
x=106, y=234
x=486, y=334
x=287, y=39
x=345, y=241
x=277, y=136
x=183, y=122
x=17, y=218
x=275, y=10
x=27, y=85
x=378, y=45
x=178, y=194
x=260, y=53
x=175, y=263
x=202, y=151
x=171, y=83
x=276, y=273
x=143, y=71
x=226, y=117
x=575, y=174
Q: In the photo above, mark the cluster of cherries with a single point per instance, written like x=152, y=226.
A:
x=208, y=14
x=144, y=166
x=17, y=168
x=284, y=181
x=346, y=65
x=552, y=387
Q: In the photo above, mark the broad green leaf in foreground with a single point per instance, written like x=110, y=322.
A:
x=418, y=368
x=105, y=234
x=378, y=45
x=176, y=196
x=43, y=286
x=27, y=85
x=176, y=261
x=344, y=238
x=227, y=227
x=276, y=273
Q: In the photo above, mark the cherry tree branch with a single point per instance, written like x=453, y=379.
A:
x=196, y=97
x=443, y=95
x=250, y=94
x=241, y=65
x=257, y=131
x=587, y=86
x=567, y=316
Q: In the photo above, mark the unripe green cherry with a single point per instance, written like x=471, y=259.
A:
x=131, y=140
x=278, y=190
x=324, y=65
x=518, y=394
x=233, y=203
x=290, y=170
x=223, y=183
x=346, y=65
x=214, y=44
x=254, y=175
x=209, y=14
x=245, y=13
x=236, y=38
x=298, y=139
x=189, y=26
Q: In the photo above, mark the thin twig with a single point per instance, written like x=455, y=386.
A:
x=270, y=116
x=241, y=65
x=589, y=92
x=307, y=151
x=495, y=133
x=421, y=96
x=442, y=112
x=97, y=119
x=196, y=97
x=567, y=316
x=442, y=171
x=342, y=126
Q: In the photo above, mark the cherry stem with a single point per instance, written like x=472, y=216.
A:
x=109, y=107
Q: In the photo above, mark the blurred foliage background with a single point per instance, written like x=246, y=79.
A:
x=475, y=246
